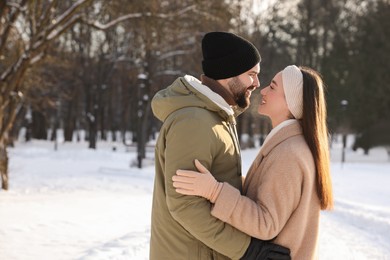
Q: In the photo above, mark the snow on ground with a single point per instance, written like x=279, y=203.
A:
x=83, y=204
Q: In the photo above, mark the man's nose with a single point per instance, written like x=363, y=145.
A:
x=257, y=82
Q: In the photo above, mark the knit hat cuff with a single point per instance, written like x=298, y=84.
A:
x=230, y=66
x=293, y=89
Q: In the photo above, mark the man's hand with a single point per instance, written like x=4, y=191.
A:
x=265, y=250
x=200, y=183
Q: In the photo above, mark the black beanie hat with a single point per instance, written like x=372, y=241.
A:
x=227, y=55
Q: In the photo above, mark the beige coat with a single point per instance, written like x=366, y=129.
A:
x=280, y=196
x=197, y=124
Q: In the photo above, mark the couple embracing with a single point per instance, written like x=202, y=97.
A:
x=202, y=206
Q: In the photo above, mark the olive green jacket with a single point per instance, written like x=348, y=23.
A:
x=197, y=124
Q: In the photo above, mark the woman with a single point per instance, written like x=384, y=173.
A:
x=289, y=181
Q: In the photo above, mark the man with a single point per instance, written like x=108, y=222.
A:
x=199, y=123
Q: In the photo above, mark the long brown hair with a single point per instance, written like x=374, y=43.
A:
x=315, y=131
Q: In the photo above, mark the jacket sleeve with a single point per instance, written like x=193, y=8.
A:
x=186, y=140
x=278, y=195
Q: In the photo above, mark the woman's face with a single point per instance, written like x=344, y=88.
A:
x=273, y=103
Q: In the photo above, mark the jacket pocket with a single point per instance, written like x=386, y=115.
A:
x=217, y=256
x=199, y=251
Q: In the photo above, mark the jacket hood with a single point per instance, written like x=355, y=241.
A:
x=188, y=91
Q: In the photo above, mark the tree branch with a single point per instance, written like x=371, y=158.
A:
x=99, y=26
x=4, y=34
x=45, y=15
x=62, y=19
x=174, y=53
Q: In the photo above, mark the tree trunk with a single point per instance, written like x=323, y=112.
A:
x=69, y=129
x=69, y=123
x=54, y=128
x=4, y=165
x=92, y=134
x=93, y=130
x=39, y=130
x=251, y=138
x=145, y=129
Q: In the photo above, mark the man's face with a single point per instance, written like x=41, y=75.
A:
x=242, y=86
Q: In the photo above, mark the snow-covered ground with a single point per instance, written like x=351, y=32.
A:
x=83, y=204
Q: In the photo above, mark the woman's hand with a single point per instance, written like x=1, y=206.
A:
x=200, y=183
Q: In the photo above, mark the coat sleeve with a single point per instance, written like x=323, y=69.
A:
x=187, y=140
x=277, y=196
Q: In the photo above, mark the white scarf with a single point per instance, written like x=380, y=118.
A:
x=217, y=99
x=277, y=128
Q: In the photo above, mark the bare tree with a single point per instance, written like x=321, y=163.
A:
x=153, y=40
x=26, y=30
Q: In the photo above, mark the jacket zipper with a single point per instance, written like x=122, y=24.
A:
x=233, y=133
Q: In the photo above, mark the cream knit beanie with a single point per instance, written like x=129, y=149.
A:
x=293, y=90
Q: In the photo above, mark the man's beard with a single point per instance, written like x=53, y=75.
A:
x=239, y=92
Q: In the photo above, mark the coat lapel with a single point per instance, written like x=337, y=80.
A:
x=283, y=134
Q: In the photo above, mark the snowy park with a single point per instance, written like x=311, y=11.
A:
x=78, y=203
x=76, y=72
